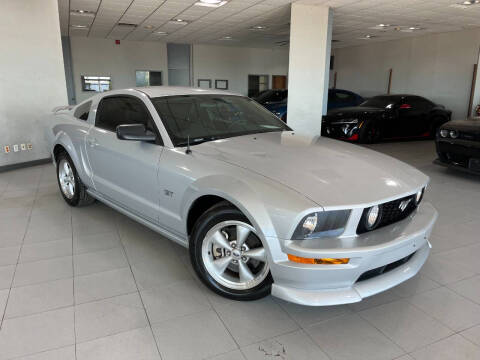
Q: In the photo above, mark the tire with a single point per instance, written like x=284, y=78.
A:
x=71, y=187
x=369, y=134
x=225, y=220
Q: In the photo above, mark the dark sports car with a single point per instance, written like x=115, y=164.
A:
x=458, y=144
x=386, y=117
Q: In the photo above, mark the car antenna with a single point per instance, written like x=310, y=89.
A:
x=188, y=151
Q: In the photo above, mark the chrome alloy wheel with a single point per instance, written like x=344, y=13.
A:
x=234, y=255
x=66, y=179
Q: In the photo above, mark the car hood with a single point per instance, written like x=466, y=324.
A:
x=329, y=172
x=471, y=125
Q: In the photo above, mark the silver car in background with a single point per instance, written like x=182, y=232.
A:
x=262, y=209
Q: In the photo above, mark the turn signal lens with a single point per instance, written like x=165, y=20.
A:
x=324, y=261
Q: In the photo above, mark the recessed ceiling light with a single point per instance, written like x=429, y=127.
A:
x=226, y=38
x=179, y=21
x=383, y=25
x=149, y=27
x=470, y=2
x=258, y=27
x=162, y=33
x=82, y=12
x=79, y=26
x=211, y=3
x=368, y=37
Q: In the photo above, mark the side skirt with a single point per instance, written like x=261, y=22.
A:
x=168, y=234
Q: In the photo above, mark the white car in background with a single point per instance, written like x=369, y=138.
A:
x=262, y=209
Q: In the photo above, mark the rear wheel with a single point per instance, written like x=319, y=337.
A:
x=228, y=255
x=70, y=184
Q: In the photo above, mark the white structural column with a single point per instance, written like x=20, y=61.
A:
x=309, y=66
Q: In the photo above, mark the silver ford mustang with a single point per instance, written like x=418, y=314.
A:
x=262, y=209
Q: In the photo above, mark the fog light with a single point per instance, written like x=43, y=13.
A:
x=322, y=261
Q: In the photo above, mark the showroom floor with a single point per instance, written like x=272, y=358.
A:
x=88, y=283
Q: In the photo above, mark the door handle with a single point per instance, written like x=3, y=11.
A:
x=92, y=142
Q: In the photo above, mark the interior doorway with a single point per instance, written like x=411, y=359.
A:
x=279, y=81
x=257, y=84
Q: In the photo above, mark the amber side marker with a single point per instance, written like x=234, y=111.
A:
x=324, y=261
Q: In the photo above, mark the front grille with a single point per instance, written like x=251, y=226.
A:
x=384, y=269
x=390, y=212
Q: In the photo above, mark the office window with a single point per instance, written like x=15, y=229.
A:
x=96, y=83
x=148, y=78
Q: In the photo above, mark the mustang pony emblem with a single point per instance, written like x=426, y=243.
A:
x=403, y=205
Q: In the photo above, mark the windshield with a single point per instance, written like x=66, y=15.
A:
x=379, y=101
x=210, y=117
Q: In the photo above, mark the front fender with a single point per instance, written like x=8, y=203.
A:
x=270, y=207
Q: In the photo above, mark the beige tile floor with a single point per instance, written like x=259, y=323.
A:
x=89, y=283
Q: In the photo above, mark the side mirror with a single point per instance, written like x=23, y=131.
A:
x=135, y=132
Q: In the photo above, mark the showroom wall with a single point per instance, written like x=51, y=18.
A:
x=236, y=63
x=32, y=77
x=102, y=57
x=437, y=66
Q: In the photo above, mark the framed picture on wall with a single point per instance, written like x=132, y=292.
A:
x=221, y=84
x=204, y=83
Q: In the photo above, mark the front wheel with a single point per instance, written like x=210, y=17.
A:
x=369, y=134
x=228, y=255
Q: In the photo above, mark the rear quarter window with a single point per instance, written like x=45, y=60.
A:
x=82, y=111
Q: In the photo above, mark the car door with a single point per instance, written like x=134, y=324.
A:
x=412, y=116
x=125, y=172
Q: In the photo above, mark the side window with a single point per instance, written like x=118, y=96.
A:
x=121, y=110
x=344, y=97
x=82, y=111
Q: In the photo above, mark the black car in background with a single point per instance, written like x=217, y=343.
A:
x=386, y=117
x=458, y=144
x=271, y=96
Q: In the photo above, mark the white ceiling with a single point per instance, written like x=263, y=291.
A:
x=353, y=19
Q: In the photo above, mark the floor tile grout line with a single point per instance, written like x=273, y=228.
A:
x=211, y=304
x=18, y=257
x=138, y=290
x=40, y=352
x=304, y=330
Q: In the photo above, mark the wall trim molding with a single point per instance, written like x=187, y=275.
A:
x=25, y=164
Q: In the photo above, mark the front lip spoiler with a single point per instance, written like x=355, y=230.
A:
x=359, y=290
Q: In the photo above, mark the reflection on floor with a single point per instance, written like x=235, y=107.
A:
x=89, y=283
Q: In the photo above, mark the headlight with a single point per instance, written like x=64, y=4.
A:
x=372, y=217
x=419, y=196
x=453, y=134
x=322, y=224
x=444, y=133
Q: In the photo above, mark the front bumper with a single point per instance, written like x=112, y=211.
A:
x=321, y=285
x=459, y=153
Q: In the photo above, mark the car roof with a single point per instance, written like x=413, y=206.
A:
x=159, y=91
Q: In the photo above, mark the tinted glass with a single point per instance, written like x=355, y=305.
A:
x=210, y=117
x=380, y=101
x=114, y=111
x=344, y=97
x=272, y=96
x=82, y=111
